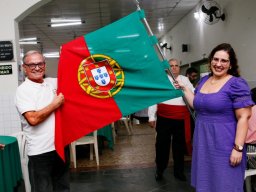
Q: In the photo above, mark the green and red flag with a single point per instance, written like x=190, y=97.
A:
x=109, y=73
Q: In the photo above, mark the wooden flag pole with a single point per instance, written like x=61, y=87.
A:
x=163, y=58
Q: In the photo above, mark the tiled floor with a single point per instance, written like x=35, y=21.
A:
x=126, y=180
x=129, y=151
x=129, y=167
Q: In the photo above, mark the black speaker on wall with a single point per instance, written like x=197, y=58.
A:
x=184, y=48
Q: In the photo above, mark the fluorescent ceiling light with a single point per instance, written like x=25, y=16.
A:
x=63, y=20
x=196, y=15
x=28, y=39
x=52, y=55
x=65, y=24
x=28, y=42
x=160, y=26
x=60, y=22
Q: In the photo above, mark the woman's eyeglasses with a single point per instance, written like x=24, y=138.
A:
x=40, y=65
x=222, y=61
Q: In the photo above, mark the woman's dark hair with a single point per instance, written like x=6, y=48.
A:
x=253, y=94
x=232, y=58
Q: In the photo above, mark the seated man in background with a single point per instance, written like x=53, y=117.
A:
x=192, y=75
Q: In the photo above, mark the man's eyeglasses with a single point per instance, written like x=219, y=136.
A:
x=222, y=61
x=40, y=65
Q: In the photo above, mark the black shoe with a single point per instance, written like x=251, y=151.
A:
x=180, y=176
x=158, y=175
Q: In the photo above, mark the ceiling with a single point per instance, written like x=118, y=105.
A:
x=162, y=15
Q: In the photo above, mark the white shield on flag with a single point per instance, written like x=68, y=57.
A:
x=101, y=76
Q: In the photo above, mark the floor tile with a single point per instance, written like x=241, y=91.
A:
x=127, y=168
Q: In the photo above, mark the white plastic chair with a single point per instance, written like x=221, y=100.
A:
x=92, y=140
x=113, y=132
x=128, y=123
x=23, y=158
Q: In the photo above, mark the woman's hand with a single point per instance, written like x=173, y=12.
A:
x=235, y=158
x=2, y=146
x=178, y=84
x=189, y=95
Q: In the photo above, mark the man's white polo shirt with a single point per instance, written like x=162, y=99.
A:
x=31, y=96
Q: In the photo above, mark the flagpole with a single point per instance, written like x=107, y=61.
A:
x=164, y=58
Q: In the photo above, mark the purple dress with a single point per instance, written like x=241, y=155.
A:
x=214, y=137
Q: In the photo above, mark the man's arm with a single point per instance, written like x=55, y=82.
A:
x=152, y=116
x=36, y=117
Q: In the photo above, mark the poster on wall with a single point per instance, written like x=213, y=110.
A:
x=6, y=51
x=5, y=69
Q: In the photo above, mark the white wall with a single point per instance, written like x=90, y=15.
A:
x=11, y=12
x=239, y=29
x=51, y=67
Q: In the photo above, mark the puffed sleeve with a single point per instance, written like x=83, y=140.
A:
x=240, y=93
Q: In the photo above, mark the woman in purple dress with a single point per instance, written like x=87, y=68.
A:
x=222, y=102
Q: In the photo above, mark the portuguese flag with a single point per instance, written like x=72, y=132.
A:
x=109, y=73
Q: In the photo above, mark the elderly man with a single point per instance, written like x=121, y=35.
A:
x=170, y=119
x=36, y=101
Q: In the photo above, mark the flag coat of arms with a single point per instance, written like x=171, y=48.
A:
x=109, y=73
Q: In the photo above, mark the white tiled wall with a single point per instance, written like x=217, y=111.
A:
x=9, y=117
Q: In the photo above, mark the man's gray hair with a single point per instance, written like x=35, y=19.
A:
x=176, y=60
x=31, y=52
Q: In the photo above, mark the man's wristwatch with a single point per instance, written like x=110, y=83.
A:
x=238, y=148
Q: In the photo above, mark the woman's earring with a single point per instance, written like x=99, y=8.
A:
x=230, y=67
